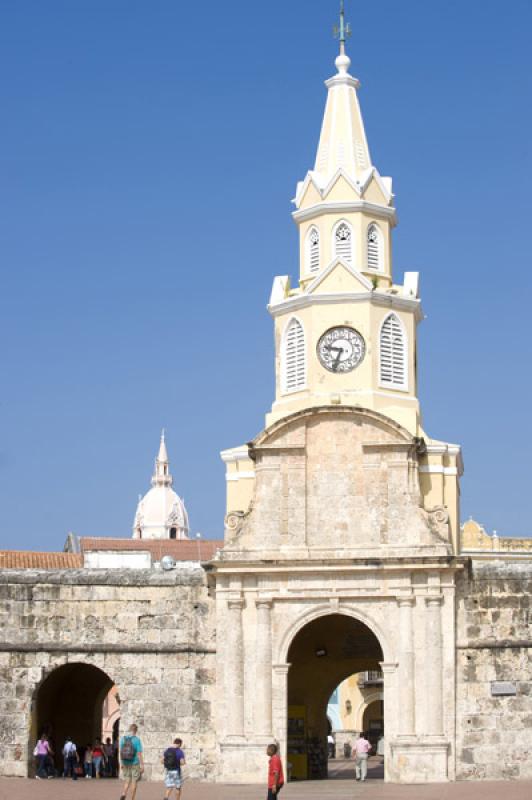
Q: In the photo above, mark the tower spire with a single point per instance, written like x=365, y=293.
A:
x=161, y=476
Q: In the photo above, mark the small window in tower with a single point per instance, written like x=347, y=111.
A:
x=293, y=366
x=393, y=361
x=313, y=250
x=173, y=533
x=374, y=248
x=343, y=242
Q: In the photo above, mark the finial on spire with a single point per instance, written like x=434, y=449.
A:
x=342, y=32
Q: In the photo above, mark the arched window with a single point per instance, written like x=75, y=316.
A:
x=393, y=361
x=374, y=243
x=293, y=369
x=173, y=533
x=343, y=242
x=313, y=250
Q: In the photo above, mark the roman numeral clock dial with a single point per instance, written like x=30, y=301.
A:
x=341, y=349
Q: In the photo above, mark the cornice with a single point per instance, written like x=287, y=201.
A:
x=235, y=454
x=256, y=562
x=376, y=210
x=377, y=298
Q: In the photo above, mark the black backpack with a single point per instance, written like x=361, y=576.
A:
x=128, y=749
x=170, y=759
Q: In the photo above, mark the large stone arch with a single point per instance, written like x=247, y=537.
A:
x=311, y=614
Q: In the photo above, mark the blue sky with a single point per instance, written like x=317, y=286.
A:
x=149, y=153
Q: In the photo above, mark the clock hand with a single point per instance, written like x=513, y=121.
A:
x=337, y=359
x=336, y=349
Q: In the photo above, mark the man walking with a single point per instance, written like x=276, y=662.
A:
x=173, y=761
x=132, y=762
x=360, y=752
x=70, y=759
x=275, y=772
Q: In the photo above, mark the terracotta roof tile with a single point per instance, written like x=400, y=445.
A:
x=22, y=559
x=181, y=550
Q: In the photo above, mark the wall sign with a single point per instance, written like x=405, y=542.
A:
x=503, y=688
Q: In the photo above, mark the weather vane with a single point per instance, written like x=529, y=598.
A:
x=342, y=31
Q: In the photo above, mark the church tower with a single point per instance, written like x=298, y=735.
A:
x=346, y=334
x=161, y=513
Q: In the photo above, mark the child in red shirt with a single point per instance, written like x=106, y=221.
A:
x=275, y=772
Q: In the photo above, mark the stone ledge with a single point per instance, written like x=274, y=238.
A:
x=54, y=647
x=502, y=644
x=109, y=577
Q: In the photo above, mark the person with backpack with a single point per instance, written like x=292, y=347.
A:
x=173, y=761
x=131, y=761
x=71, y=758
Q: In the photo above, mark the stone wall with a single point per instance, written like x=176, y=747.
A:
x=494, y=732
x=151, y=633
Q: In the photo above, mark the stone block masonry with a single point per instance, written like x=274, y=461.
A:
x=149, y=633
x=494, y=732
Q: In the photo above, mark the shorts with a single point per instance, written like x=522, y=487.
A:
x=131, y=772
x=172, y=779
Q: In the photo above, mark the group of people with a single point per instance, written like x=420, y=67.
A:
x=104, y=759
x=96, y=760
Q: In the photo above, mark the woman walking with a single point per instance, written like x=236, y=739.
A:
x=87, y=761
x=42, y=752
x=97, y=758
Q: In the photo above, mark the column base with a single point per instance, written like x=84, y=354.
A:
x=243, y=761
x=421, y=759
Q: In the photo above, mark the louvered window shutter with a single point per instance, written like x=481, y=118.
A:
x=343, y=242
x=374, y=248
x=294, y=368
x=314, y=250
x=393, y=354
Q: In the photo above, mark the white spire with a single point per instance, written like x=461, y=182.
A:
x=161, y=476
x=163, y=455
x=343, y=144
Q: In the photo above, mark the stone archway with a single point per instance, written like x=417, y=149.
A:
x=69, y=702
x=323, y=652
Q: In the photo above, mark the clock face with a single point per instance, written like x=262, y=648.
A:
x=341, y=349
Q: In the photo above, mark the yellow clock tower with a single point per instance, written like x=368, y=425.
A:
x=345, y=335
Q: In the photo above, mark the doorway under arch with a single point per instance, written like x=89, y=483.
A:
x=373, y=722
x=69, y=702
x=322, y=654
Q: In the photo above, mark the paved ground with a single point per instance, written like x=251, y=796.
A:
x=343, y=787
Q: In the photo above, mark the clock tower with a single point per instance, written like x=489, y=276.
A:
x=346, y=333
x=342, y=507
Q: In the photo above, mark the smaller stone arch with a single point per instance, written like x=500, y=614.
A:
x=68, y=701
x=363, y=705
